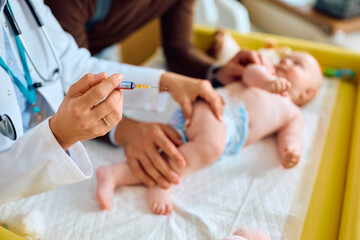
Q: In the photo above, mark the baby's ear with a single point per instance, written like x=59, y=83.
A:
x=308, y=94
x=305, y=96
x=311, y=92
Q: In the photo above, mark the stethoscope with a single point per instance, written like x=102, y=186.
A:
x=7, y=127
x=55, y=75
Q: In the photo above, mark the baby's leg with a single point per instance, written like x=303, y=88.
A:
x=108, y=178
x=206, y=142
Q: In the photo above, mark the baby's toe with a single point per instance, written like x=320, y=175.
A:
x=290, y=163
x=154, y=207
x=163, y=209
x=169, y=209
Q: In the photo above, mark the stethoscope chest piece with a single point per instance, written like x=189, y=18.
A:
x=7, y=127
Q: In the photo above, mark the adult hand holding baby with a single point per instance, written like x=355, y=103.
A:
x=81, y=116
x=233, y=70
x=142, y=141
x=186, y=90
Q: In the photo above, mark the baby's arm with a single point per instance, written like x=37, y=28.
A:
x=259, y=76
x=290, y=141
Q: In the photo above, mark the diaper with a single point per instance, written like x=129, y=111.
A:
x=235, y=119
x=177, y=122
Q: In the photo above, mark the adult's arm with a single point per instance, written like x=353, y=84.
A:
x=177, y=33
x=77, y=62
x=36, y=163
x=178, y=41
x=73, y=17
x=183, y=57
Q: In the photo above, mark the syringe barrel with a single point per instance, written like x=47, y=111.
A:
x=127, y=85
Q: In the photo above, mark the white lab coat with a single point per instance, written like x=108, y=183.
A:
x=35, y=162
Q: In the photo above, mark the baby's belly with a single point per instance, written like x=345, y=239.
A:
x=266, y=111
x=263, y=122
x=257, y=132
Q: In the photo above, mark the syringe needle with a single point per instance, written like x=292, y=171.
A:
x=148, y=86
x=164, y=88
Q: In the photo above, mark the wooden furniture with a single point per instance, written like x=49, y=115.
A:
x=329, y=24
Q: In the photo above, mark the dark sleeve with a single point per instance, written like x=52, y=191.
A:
x=72, y=16
x=178, y=41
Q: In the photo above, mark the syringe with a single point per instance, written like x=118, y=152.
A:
x=131, y=85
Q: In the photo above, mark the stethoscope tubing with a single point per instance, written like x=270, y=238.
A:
x=17, y=31
x=56, y=73
x=7, y=127
x=34, y=12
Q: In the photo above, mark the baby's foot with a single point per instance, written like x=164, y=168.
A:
x=217, y=43
x=106, y=183
x=291, y=157
x=251, y=233
x=159, y=201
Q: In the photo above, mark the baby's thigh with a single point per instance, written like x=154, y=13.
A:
x=205, y=126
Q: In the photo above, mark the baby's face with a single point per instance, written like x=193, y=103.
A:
x=298, y=68
x=295, y=69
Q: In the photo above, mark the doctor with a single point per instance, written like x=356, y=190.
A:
x=39, y=128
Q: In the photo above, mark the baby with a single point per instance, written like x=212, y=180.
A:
x=266, y=101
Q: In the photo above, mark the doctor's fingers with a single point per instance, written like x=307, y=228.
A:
x=214, y=99
x=163, y=167
x=172, y=134
x=255, y=58
x=144, y=170
x=138, y=171
x=187, y=108
x=152, y=171
x=170, y=150
x=101, y=90
x=237, y=70
x=245, y=57
x=85, y=83
x=109, y=121
x=112, y=105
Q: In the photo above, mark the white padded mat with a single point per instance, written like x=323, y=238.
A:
x=250, y=189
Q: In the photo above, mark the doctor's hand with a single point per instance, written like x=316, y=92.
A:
x=233, y=70
x=186, y=91
x=142, y=142
x=80, y=115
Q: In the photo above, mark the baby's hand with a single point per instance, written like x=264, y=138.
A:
x=291, y=157
x=278, y=85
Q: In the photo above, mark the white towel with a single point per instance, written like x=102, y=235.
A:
x=249, y=189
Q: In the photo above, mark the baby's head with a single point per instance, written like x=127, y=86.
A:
x=304, y=73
